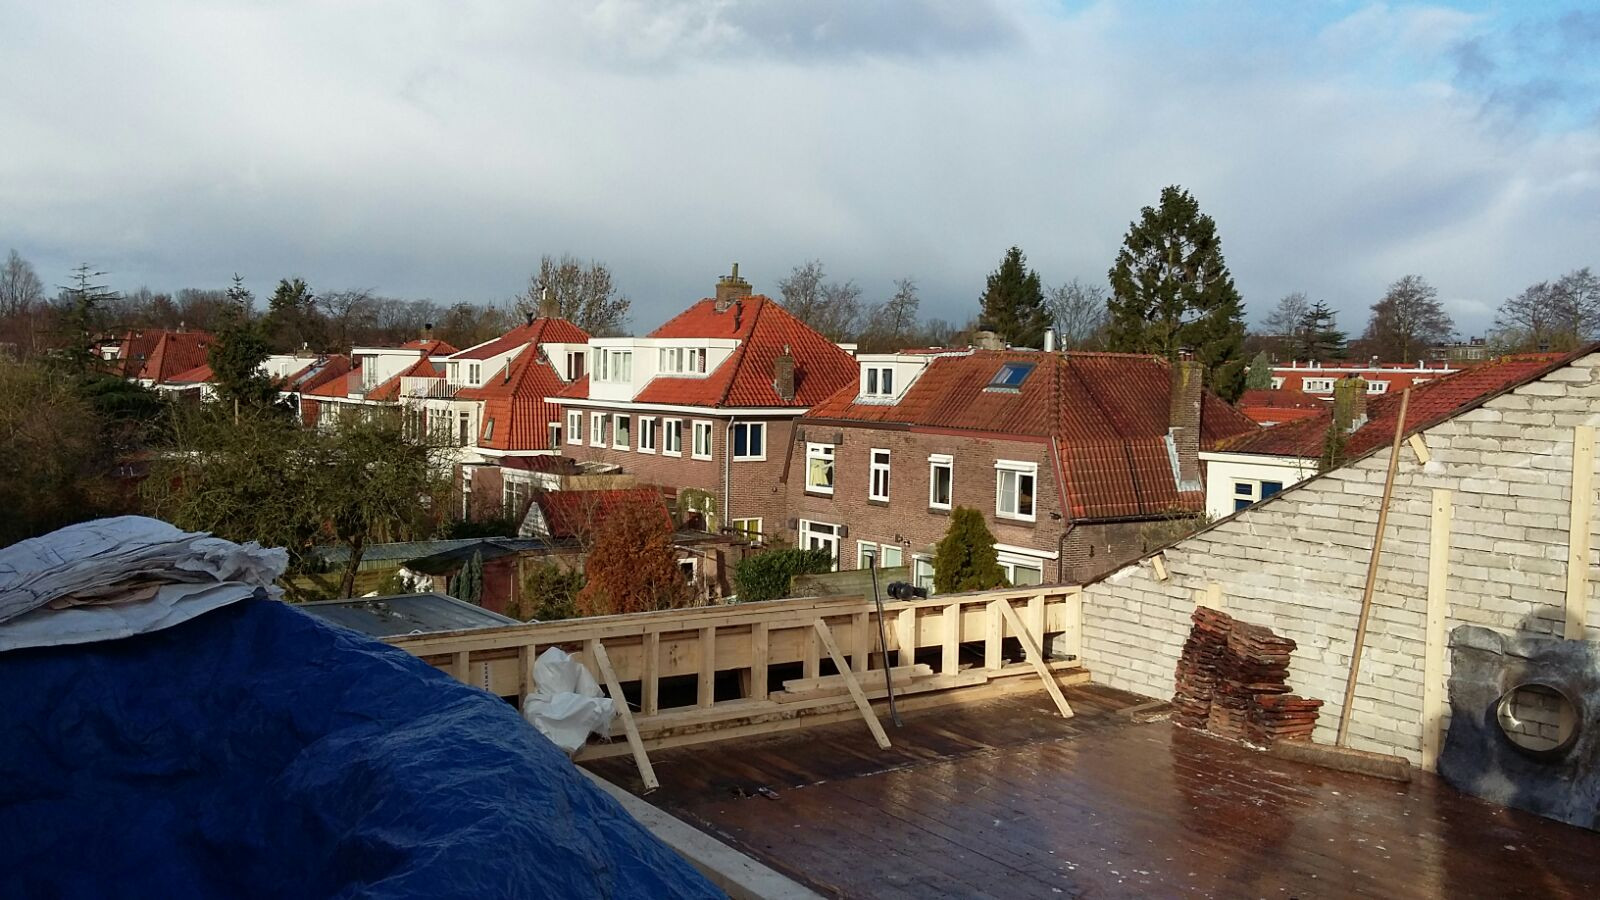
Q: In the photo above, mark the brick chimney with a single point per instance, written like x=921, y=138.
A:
x=1183, y=422
x=730, y=288
x=548, y=307
x=427, y=331
x=1349, y=404
x=783, y=375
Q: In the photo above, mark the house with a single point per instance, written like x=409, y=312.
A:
x=1252, y=467
x=1318, y=378
x=371, y=376
x=707, y=403
x=1267, y=407
x=153, y=357
x=1079, y=461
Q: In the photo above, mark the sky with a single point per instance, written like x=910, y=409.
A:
x=438, y=149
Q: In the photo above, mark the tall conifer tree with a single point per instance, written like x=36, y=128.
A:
x=1013, y=302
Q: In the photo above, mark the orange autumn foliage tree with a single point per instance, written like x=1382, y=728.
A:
x=631, y=565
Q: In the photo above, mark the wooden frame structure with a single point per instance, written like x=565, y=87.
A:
x=710, y=673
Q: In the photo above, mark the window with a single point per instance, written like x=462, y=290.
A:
x=880, y=381
x=1014, y=489
x=878, y=476
x=1247, y=493
x=574, y=427
x=702, y=440
x=941, y=480
x=1316, y=385
x=555, y=435
x=892, y=557
x=647, y=435
x=1277, y=383
x=820, y=536
x=683, y=360
x=488, y=430
x=867, y=555
x=922, y=572
x=466, y=429
x=749, y=529
x=688, y=567
x=614, y=365
x=574, y=365
x=1022, y=572
x=673, y=436
x=887, y=556
x=819, y=468
x=597, y=429
x=749, y=440
x=1377, y=387
x=439, y=421
x=474, y=373
x=1010, y=377
x=516, y=497
x=621, y=432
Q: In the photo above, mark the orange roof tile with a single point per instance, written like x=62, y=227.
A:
x=573, y=513
x=175, y=352
x=430, y=347
x=198, y=375
x=538, y=331
x=515, y=414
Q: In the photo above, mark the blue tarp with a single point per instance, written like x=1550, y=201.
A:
x=257, y=752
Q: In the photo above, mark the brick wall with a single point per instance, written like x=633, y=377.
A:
x=1297, y=563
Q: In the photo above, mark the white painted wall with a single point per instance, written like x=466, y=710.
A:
x=1223, y=470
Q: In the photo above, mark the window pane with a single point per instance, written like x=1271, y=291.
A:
x=872, y=381
x=1240, y=504
x=1022, y=575
x=741, y=440
x=892, y=558
x=888, y=381
x=1268, y=488
x=758, y=433
x=1243, y=489
x=1024, y=494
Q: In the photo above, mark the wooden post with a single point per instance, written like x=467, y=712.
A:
x=460, y=666
x=1159, y=562
x=1372, y=572
x=525, y=682
x=820, y=628
x=1579, y=517
x=647, y=772
x=811, y=662
x=706, y=693
x=950, y=619
x=1030, y=645
x=861, y=624
x=1420, y=448
x=1035, y=618
x=905, y=634
x=650, y=674
x=1074, y=600
x=1433, y=703
x=758, y=661
x=993, y=633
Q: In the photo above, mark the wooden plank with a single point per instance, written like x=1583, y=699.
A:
x=1074, y=624
x=993, y=633
x=875, y=689
x=1030, y=645
x=950, y=639
x=1212, y=597
x=836, y=682
x=1035, y=617
x=873, y=725
x=1433, y=693
x=1420, y=448
x=647, y=772
x=1159, y=561
x=811, y=663
x=525, y=660
x=650, y=674
x=706, y=690
x=758, y=661
x=1582, y=511
x=905, y=636
x=460, y=667
x=861, y=626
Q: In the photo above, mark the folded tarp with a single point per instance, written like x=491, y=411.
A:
x=254, y=751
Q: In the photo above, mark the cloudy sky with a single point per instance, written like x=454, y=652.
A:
x=437, y=149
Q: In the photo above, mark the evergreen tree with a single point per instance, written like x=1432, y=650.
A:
x=293, y=323
x=1013, y=302
x=237, y=353
x=1317, y=337
x=1171, y=292
x=83, y=302
x=1260, y=375
x=469, y=584
x=965, y=559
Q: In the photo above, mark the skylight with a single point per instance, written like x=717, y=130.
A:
x=1010, y=376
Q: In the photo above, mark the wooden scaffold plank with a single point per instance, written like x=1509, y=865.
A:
x=1030, y=646
x=602, y=661
x=850, y=682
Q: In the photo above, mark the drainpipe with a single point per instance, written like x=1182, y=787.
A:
x=727, y=471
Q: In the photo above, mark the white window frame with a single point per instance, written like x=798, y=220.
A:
x=474, y=374
x=917, y=578
x=1277, y=382
x=621, y=423
x=597, y=429
x=574, y=426
x=875, y=468
x=947, y=462
x=1316, y=385
x=466, y=435
x=1377, y=387
x=827, y=452
x=829, y=538
x=612, y=364
x=877, y=381
x=749, y=427
x=881, y=551
x=749, y=528
x=575, y=365
x=647, y=434
x=1010, y=562
x=865, y=549
x=701, y=426
x=1253, y=491
x=555, y=434
x=671, y=437
x=1016, y=468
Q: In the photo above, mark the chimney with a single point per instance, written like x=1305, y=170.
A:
x=783, y=375
x=427, y=331
x=548, y=307
x=1183, y=421
x=730, y=288
x=1349, y=404
x=529, y=317
x=1049, y=340
x=987, y=340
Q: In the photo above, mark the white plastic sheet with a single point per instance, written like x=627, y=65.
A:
x=567, y=705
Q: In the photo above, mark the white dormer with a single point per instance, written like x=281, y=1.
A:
x=884, y=377
x=619, y=368
x=379, y=364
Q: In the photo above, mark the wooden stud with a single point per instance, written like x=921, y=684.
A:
x=1420, y=448
x=905, y=635
x=1074, y=624
x=826, y=637
x=861, y=625
x=650, y=674
x=835, y=683
x=1160, y=563
x=460, y=666
x=758, y=661
x=1580, y=514
x=1433, y=699
x=525, y=683
x=950, y=660
x=1030, y=646
x=993, y=633
x=811, y=663
x=706, y=692
x=1035, y=618
x=1213, y=597
x=647, y=772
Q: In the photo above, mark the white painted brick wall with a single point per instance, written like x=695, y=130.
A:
x=1297, y=563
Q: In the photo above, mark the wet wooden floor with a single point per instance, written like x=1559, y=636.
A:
x=1004, y=799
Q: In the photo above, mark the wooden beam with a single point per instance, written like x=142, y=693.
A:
x=758, y=661
x=1035, y=617
x=811, y=664
x=1435, y=705
x=1030, y=645
x=1212, y=597
x=525, y=684
x=873, y=725
x=647, y=772
x=650, y=677
x=1420, y=448
x=994, y=631
x=950, y=639
x=1160, y=563
x=1581, y=513
x=460, y=665
x=905, y=636
x=706, y=691
x=861, y=625
x=836, y=682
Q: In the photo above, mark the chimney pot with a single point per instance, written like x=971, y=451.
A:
x=730, y=288
x=1183, y=420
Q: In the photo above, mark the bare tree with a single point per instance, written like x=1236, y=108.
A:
x=1282, y=326
x=1551, y=315
x=352, y=315
x=1407, y=321
x=581, y=292
x=20, y=288
x=1079, y=310
x=892, y=324
x=832, y=308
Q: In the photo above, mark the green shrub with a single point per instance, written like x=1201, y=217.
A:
x=965, y=559
x=549, y=592
x=765, y=576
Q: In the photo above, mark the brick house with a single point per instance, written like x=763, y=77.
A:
x=1078, y=461
x=706, y=404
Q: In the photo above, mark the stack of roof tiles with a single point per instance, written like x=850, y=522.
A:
x=1232, y=680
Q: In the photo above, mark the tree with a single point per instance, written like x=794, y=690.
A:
x=54, y=468
x=20, y=287
x=1283, y=324
x=469, y=584
x=1013, y=302
x=293, y=323
x=1317, y=336
x=892, y=325
x=632, y=566
x=1171, y=292
x=580, y=292
x=766, y=575
x=351, y=315
x=1079, y=310
x=238, y=352
x=832, y=308
x=549, y=593
x=1407, y=321
x=79, y=320
x=965, y=559
x=1559, y=315
x=1259, y=377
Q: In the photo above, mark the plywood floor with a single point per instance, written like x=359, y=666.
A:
x=1004, y=799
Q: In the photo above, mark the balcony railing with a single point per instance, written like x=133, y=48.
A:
x=425, y=387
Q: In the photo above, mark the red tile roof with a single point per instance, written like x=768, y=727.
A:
x=539, y=331
x=515, y=414
x=1107, y=411
x=134, y=349
x=174, y=352
x=321, y=372
x=745, y=379
x=1431, y=403
x=572, y=513
x=390, y=390
x=430, y=347
x=1276, y=406
x=198, y=375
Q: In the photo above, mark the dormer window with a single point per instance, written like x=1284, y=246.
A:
x=683, y=360
x=880, y=381
x=574, y=365
x=614, y=365
x=1010, y=377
